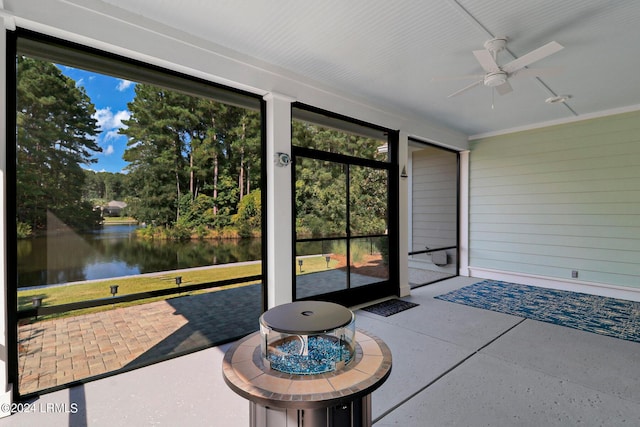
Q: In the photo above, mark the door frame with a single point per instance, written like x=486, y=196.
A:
x=383, y=288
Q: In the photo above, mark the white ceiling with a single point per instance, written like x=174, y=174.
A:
x=387, y=52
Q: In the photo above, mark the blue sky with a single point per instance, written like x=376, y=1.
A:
x=110, y=96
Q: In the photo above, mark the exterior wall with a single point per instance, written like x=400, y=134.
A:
x=403, y=217
x=434, y=198
x=549, y=201
x=434, y=203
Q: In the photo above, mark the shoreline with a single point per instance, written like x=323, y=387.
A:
x=157, y=273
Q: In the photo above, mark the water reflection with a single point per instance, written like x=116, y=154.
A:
x=114, y=251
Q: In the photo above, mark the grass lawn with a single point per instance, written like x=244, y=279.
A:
x=85, y=291
x=113, y=220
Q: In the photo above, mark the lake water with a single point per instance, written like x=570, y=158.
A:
x=114, y=251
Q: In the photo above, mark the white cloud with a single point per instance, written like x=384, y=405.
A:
x=123, y=85
x=109, y=125
x=107, y=121
x=120, y=116
x=104, y=116
x=112, y=134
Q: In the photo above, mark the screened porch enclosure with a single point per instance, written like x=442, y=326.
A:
x=433, y=218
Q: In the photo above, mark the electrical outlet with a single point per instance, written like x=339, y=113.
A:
x=574, y=274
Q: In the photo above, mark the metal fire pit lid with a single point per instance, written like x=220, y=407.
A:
x=307, y=317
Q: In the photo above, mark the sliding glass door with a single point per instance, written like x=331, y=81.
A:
x=345, y=226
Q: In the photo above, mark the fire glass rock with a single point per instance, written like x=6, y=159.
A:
x=324, y=354
x=307, y=337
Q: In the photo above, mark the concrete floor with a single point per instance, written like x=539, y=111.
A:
x=453, y=366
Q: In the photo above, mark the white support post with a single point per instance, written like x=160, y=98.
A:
x=6, y=389
x=463, y=226
x=403, y=214
x=279, y=191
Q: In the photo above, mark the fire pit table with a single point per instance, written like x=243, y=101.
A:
x=308, y=366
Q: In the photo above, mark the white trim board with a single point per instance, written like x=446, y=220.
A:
x=566, y=120
x=601, y=289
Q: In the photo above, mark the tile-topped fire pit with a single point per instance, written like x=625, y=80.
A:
x=308, y=366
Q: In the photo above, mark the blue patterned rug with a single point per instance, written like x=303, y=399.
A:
x=601, y=315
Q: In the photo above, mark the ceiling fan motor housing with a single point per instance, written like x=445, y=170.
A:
x=495, y=79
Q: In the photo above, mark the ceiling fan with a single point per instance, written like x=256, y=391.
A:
x=497, y=76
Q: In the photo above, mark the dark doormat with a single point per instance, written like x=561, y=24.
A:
x=390, y=307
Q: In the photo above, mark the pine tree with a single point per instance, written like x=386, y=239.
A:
x=158, y=135
x=55, y=137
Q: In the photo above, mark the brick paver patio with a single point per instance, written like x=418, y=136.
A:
x=59, y=351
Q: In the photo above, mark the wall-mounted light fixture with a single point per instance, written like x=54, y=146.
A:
x=403, y=174
x=282, y=159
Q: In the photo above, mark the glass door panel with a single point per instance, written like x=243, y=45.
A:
x=342, y=192
x=321, y=199
x=368, y=200
x=369, y=260
x=321, y=267
x=321, y=223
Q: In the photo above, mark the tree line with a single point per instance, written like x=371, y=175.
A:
x=193, y=164
x=191, y=161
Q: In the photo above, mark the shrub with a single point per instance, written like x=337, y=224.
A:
x=358, y=249
x=249, y=211
x=178, y=232
x=23, y=230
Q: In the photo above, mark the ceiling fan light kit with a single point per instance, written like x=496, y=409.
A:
x=495, y=79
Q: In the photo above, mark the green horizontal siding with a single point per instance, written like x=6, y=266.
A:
x=621, y=243
x=557, y=199
x=564, y=230
x=618, y=196
x=618, y=208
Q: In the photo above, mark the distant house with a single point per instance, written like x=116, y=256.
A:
x=113, y=208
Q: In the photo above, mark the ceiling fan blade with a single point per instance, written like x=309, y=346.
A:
x=452, y=78
x=466, y=88
x=486, y=61
x=537, y=72
x=504, y=88
x=533, y=56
